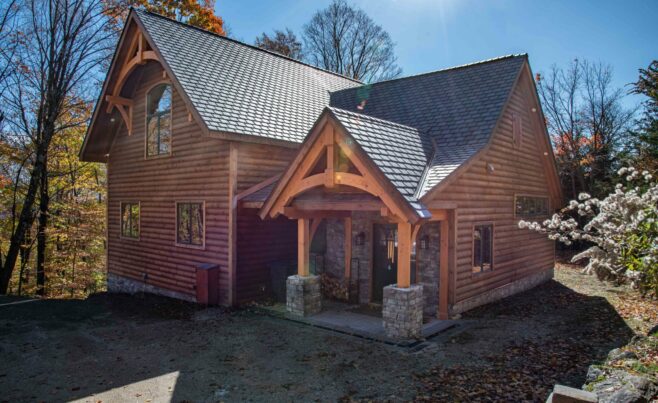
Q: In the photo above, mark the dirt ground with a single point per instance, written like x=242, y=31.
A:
x=148, y=349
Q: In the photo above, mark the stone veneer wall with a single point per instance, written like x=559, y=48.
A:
x=334, y=256
x=119, y=284
x=427, y=267
x=402, y=313
x=362, y=256
x=515, y=287
x=303, y=295
x=427, y=261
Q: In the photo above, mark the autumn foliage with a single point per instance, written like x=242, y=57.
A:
x=193, y=12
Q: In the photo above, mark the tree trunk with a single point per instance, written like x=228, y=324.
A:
x=44, y=202
x=25, y=218
x=25, y=257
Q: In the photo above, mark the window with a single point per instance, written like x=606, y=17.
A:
x=189, y=224
x=130, y=220
x=482, y=248
x=531, y=206
x=158, y=121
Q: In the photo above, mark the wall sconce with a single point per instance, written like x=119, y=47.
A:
x=424, y=242
x=360, y=239
x=490, y=168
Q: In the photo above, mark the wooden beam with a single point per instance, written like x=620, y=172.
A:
x=348, y=247
x=404, y=255
x=452, y=255
x=361, y=205
x=116, y=100
x=141, y=46
x=444, y=270
x=126, y=115
x=304, y=166
x=303, y=247
x=329, y=172
x=367, y=182
x=257, y=187
x=414, y=232
x=296, y=213
x=438, y=215
x=232, y=222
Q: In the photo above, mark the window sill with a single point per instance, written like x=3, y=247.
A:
x=157, y=157
x=190, y=246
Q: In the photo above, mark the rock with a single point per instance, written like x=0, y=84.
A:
x=624, y=395
x=618, y=354
x=593, y=374
x=622, y=387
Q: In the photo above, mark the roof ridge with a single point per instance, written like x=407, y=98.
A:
x=389, y=122
x=136, y=10
x=460, y=66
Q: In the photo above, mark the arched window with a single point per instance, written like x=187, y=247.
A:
x=158, y=121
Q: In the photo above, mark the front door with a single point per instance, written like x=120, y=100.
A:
x=385, y=259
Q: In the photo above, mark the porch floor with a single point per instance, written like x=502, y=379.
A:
x=357, y=320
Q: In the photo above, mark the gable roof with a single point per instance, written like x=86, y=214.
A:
x=456, y=109
x=241, y=89
x=397, y=150
x=417, y=129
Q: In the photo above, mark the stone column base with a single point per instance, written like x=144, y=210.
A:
x=303, y=297
x=402, y=312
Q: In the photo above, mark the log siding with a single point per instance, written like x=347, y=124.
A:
x=480, y=196
x=196, y=169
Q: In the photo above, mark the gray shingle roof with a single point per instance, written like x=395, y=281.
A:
x=397, y=150
x=457, y=108
x=238, y=88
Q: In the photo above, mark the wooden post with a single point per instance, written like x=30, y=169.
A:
x=232, y=222
x=404, y=255
x=348, y=247
x=444, y=271
x=303, y=246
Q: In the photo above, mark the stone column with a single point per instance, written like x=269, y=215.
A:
x=303, y=297
x=402, y=312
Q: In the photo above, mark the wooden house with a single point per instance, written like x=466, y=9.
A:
x=230, y=167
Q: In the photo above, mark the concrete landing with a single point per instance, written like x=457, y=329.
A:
x=341, y=318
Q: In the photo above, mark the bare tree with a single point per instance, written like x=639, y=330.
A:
x=7, y=47
x=587, y=123
x=282, y=42
x=63, y=43
x=346, y=40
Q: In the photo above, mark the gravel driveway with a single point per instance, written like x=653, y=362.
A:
x=149, y=349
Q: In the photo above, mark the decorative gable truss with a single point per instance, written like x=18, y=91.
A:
x=329, y=159
x=138, y=53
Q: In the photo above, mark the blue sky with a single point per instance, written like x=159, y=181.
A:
x=434, y=34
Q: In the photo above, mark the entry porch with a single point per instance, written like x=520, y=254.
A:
x=381, y=246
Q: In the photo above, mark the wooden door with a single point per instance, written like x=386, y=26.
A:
x=385, y=258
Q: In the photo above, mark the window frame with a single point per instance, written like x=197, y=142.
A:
x=139, y=220
x=493, y=245
x=203, y=237
x=534, y=196
x=146, y=121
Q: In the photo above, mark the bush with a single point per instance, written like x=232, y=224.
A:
x=622, y=230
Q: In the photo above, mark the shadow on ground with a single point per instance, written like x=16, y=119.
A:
x=544, y=336
x=118, y=347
